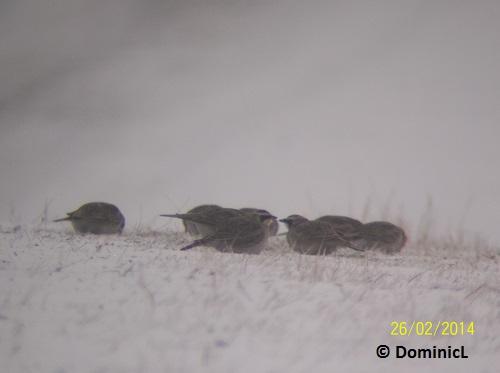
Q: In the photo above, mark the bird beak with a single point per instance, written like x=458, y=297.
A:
x=284, y=221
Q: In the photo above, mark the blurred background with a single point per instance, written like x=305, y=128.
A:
x=386, y=109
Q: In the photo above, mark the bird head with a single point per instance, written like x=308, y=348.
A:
x=294, y=220
x=265, y=216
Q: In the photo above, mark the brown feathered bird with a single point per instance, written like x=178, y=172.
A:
x=96, y=218
x=201, y=222
x=314, y=237
x=231, y=230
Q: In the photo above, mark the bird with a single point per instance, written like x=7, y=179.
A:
x=271, y=224
x=380, y=236
x=214, y=214
x=205, y=220
x=313, y=237
x=232, y=231
x=195, y=229
x=96, y=218
x=344, y=225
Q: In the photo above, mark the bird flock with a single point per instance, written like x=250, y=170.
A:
x=247, y=230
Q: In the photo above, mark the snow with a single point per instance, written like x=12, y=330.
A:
x=135, y=303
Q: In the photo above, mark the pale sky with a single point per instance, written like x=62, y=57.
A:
x=299, y=107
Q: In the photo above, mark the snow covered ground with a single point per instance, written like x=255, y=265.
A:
x=134, y=303
x=377, y=110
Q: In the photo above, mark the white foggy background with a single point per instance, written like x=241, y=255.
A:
x=299, y=107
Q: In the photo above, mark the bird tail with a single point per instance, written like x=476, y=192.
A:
x=62, y=219
x=200, y=242
x=178, y=216
x=190, y=246
x=187, y=217
x=194, y=217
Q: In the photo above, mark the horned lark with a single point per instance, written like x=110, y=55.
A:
x=205, y=220
x=231, y=230
x=312, y=237
x=97, y=218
